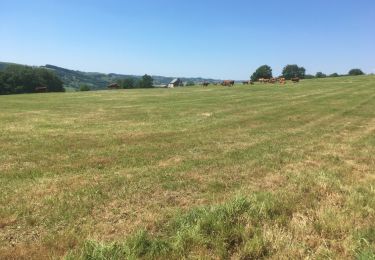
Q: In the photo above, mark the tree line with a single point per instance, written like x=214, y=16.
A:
x=17, y=79
x=146, y=81
x=294, y=71
x=132, y=82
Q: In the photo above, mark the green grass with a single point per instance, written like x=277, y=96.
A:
x=246, y=172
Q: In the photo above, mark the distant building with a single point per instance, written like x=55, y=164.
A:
x=175, y=83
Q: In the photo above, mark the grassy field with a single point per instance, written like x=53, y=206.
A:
x=245, y=172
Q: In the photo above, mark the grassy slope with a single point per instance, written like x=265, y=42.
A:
x=260, y=171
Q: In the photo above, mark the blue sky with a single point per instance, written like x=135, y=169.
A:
x=225, y=39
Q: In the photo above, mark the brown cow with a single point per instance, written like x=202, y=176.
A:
x=205, y=84
x=282, y=80
x=272, y=80
x=228, y=83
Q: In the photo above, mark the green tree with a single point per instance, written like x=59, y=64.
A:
x=128, y=83
x=49, y=79
x=293, y=71
x=146, y=82
x=3, y=87
x=320, y=75
x=334, y=75
x=264, y=71
x=356, y=72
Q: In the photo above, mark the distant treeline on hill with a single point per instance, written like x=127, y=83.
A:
x=17, y=79
x=75, y=80
x=294, y=71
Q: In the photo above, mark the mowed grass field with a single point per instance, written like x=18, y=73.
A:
x=245, y=172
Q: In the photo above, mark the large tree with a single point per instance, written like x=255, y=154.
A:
x=355, y=72
x=146, y=82
x=128, y=82
x=293, y=71
x=264, y=72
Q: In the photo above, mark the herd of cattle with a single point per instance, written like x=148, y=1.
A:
x=230, y=83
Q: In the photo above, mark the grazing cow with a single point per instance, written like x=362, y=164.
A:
x=263, y=80
x=205, y=84
x=295, y=80
x=282, y=81
x=228, y=83
x=272, y=80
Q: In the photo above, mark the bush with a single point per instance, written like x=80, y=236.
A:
x=334, y=75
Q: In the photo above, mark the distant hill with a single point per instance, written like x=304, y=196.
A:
x=73, y=79
x=4, y=64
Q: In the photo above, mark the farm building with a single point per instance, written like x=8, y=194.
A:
x=175, y=83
